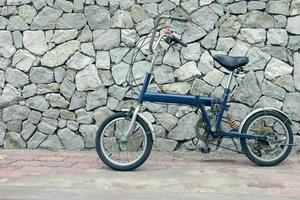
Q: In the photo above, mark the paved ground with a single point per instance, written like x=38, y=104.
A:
x=42, y=175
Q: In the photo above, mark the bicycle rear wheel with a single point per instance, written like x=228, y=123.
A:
x=127, y=155
x=280, y=138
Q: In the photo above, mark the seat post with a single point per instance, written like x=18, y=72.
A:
x=229, y=80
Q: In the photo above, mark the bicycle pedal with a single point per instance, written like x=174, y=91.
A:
x=205, y=150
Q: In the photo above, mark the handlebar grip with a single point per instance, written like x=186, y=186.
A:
x=180, y=19
x=177, y=40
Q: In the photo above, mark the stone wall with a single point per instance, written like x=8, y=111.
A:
x=63, y=65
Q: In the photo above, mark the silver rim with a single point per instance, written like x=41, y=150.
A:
x=269, y=128
x=122, y=153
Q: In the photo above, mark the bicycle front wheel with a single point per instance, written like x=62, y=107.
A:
x=123, y=155
x=277, y=129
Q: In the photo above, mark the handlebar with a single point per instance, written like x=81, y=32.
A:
x=178, y=18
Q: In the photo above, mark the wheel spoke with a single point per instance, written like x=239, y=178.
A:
x=139, y=136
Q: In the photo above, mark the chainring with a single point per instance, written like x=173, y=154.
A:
x=202, y=132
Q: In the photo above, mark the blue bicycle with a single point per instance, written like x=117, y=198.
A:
x=124, y=140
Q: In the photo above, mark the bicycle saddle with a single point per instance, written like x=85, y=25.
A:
x=231, y=63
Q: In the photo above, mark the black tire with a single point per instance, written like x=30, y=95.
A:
x=138, y=162
x=245, y=147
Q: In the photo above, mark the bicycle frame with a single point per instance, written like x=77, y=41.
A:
x=199, y=102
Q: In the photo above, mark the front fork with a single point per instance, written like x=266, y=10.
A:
x=132, y=124
x=147, y=79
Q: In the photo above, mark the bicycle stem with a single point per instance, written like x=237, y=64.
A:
x=155, y=29
x=154, y=55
